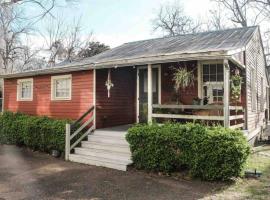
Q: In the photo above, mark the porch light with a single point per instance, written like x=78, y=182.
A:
x=109, y=83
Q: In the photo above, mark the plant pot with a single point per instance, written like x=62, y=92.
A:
x=55, y=153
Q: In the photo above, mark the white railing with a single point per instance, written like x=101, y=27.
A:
x=75, y=130
x=219, y=117
x=216, y=116
x=236, y=117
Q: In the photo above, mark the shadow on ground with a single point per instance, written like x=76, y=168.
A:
x=31, y=175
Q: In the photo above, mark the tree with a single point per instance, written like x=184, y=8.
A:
x=250, y=12
x=93, y=48
x=11, y=31
x=66, y=42
x=172, y=20
x=46, y=6
x=217, y=20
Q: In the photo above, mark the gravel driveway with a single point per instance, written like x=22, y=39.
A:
x=31, y=175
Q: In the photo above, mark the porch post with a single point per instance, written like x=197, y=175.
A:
x=226, y=99
x=150, y=94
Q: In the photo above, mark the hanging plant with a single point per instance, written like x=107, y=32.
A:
x=183, y=78
x=236, y=82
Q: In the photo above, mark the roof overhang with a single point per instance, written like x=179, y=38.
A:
x=156, y=59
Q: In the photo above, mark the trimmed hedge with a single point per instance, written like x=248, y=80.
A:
x=38, y=133
x=209, y=153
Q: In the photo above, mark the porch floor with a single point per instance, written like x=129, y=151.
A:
x=119, y=129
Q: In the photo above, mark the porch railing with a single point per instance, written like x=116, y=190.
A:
x=74, y=131
x=219, y=116
x=236, y=117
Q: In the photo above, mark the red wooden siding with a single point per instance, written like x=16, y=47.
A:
x=82, y=97
x=120, y=108
x=168, y=94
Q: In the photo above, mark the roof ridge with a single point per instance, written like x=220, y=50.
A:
x=203, y=32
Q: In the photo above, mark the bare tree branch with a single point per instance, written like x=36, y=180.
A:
x=172, y=20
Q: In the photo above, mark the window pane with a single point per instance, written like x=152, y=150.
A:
x=215, y=92
x=213, y=69
x=205, y=69
x=213, y=77
x=220, y=77
x=62, y=88
x=25, y=90
x=206, y=78
x=220, y=68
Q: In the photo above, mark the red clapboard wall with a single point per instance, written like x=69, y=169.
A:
x=82, y=97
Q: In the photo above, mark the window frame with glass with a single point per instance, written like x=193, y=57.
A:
x=68, y=84
x=29, y=92
x=212, y=80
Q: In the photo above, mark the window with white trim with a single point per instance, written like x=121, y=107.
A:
x=212, y=76
x=61, y=87
x=25, y=89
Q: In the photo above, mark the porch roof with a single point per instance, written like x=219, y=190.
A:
x=212, y=45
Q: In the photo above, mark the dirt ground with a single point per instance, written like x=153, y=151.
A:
x=31, y=175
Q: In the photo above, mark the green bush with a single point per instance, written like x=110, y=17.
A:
x=38, y=133
x=209, y=153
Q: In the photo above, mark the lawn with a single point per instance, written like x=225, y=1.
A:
x=250, y=188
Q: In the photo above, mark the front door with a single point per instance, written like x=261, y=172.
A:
x=143, y=92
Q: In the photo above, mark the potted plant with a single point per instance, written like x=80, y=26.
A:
x=182, y=78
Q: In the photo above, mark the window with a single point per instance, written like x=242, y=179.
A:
x=213, y=82
x=253, y=91
x=217, y=95
x=61, y=87
x=25, y=89
x=212, y=73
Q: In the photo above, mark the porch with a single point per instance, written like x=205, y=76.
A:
x=146, y=93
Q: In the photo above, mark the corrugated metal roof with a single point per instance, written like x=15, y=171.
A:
x=223, y=40
x=157, y=50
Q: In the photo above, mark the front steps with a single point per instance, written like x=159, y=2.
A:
x=106, y=148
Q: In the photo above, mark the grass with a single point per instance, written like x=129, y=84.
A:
x=250, y=188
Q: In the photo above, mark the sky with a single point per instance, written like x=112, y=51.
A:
x=115, y=22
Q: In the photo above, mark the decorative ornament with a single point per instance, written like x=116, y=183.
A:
x=109, y=83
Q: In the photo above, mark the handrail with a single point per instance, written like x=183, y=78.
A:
x=83, y=116
x=71, y=134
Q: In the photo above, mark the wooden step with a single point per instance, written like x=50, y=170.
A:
x=104, y=146
x=91, y=160
x=103, y=153
x=106, y=139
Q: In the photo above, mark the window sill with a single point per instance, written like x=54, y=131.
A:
x=61, y=99
x=24, y=99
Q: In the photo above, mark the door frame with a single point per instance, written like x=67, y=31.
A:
x=158, y=66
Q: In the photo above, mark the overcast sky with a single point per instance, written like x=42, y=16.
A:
x=118, y=21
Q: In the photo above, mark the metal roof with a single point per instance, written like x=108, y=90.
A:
x=158, y=49
x=223, y=40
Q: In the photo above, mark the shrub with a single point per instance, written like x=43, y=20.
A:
x=38, y=133
x=210, y=153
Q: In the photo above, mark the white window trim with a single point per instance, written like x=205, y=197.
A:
x=19, y=81
x=201, y=84
x=53, y=91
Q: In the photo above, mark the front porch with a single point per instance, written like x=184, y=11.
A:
x=206, y=101
x=146, y=93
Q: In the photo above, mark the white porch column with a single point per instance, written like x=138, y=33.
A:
x=226, y=99
x=150, y=93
